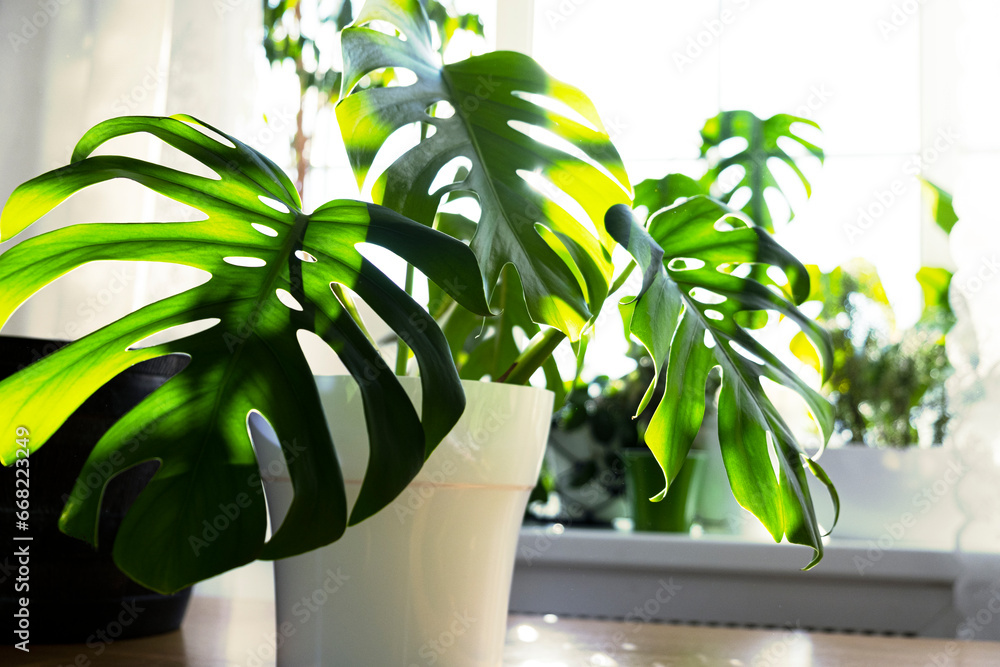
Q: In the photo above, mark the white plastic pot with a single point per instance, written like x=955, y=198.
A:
x=427, y=580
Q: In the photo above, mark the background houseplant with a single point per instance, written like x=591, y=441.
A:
x=549, y=273
x=607, y=406
x=888, y=390
x=885, y=381
x=596, y=439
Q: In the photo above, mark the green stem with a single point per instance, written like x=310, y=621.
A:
x=622, y=277
x=352, y=309
x=402, y=349
x=537, y=353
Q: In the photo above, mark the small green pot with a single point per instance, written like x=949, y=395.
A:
x=644, y=479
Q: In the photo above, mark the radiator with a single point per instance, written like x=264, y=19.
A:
x=859, y=587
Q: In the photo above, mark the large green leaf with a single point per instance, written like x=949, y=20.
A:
x=249, y=360
x=656, y=194
x=509, y=119
x=686, y=316
x=762, y=144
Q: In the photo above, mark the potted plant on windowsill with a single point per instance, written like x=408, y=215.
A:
x=887, y=387
x=525, y=265
x=607, y=459
x=607, y=406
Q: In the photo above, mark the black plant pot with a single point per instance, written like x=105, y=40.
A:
x=77, y=594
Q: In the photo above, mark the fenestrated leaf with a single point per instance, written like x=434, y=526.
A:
x=249, y=360
x=655, y=194
x=685, y=315
x=503, y=107
x=761, y=137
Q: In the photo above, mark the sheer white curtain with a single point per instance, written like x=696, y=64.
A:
x=962, y=62
x=66, y=65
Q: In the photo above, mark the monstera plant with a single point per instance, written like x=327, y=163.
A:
x=504, y=118
x=275, y=271
x=531, y=269
x=760, y=144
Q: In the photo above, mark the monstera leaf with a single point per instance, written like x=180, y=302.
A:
x=274, y=271
x=762, y=144
x=656, y=194
x=686, y=315
x=514, y=124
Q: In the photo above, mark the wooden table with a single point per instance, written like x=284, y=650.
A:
x=220, y=632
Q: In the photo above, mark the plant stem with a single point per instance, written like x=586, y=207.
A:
x=537, y=353
x=352, y=309
x=301, y=140
x=622, y=277
x=402, y=349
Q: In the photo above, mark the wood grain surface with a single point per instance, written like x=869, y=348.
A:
x=222, y=632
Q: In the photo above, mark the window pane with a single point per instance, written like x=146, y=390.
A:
x=622, y=56
x=840, y=58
